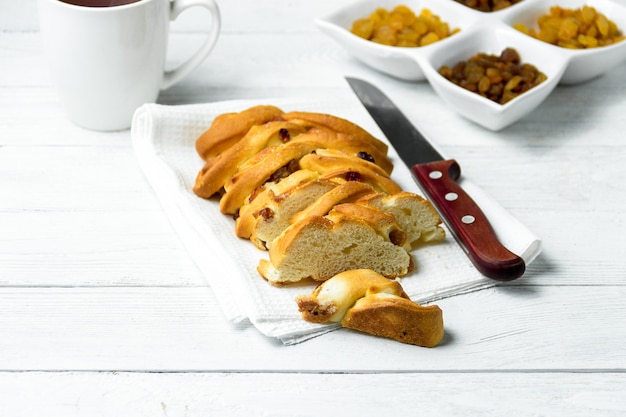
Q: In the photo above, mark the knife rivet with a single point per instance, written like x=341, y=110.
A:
x=468, y=219
x=435, y=175
x=451, y=196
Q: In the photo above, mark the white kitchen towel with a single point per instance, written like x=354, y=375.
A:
x=163, y=139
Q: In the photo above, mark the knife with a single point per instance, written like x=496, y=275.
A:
x=438, y=178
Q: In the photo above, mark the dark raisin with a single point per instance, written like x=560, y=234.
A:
x=284, y=135
x=236, y=215
x=353, y=176
x=397, y=237
x=267, y=213
x=285, y=171
x=510, y=55
x=366, y=156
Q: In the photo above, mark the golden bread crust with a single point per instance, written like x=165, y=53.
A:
x=396, y=318
x=228, y=128
x=324, y=160
x=329, y=139
x=380, y=183
x=342, y=193
x=330, y=300
x=338, y=125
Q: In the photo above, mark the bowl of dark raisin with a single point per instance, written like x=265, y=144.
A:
x=493, y=61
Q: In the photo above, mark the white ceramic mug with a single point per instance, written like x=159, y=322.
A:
x=108, y=61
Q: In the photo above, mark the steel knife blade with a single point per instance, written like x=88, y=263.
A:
x=438, y=178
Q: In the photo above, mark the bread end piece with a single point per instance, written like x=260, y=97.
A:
x=396, y=318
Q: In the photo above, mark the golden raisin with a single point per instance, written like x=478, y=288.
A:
x=574, y=28
x=402, y=27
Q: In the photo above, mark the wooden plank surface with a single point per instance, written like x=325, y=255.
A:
x=102, y=312
x=115, y=394
x=181, y=329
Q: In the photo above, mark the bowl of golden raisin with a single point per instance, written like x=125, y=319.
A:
x=493, y=61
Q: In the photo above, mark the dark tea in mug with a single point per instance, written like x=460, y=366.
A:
x=99, y=3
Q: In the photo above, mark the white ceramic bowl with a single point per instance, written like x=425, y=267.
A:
x=481, y=32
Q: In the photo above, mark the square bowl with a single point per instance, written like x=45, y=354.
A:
x=581, y=64
x=488, y=32
x=396, y=61
x=479, y=109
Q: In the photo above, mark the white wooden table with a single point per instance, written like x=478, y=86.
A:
x=102, y=312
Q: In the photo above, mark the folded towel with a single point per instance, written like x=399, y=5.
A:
x=163, y=139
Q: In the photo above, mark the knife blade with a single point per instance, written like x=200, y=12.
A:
x=438, y=178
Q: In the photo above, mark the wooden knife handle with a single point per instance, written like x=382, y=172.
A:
x=467, y=222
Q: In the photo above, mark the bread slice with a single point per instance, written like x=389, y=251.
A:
x=264, y=195
x=274, y=163
x=346, y=192
x=415, y=215
x=218, y=170
x=385, y=223
x=320, y=247
x=228, y=128
x=397, y=318
x=276, y=215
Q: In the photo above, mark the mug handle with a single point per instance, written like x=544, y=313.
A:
x=176, y=8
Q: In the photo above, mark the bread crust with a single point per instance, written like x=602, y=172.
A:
x=324, y=160
x=336, y=124
x=329, y=139
x=380, y=183
x=228, y=128
x=350, y=191
x=330, y=300
x=396, y=318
